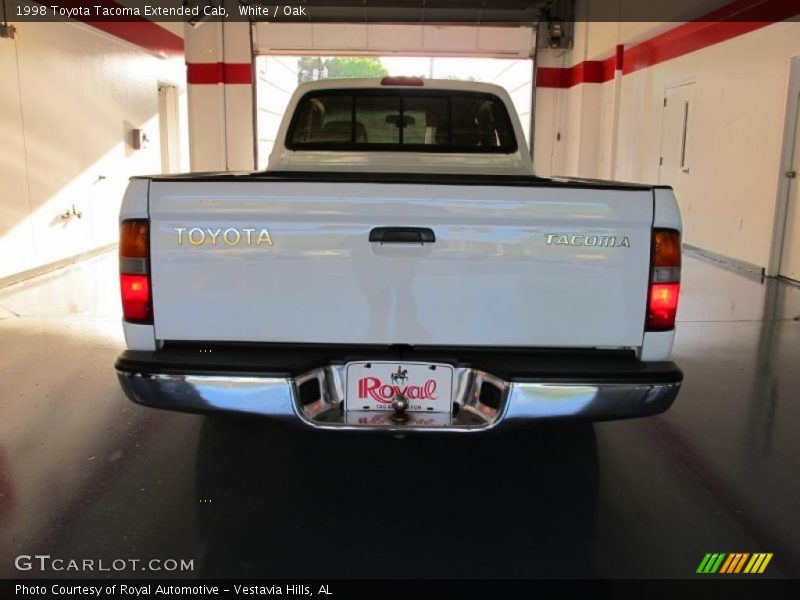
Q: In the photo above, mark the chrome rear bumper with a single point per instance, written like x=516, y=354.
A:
x=481, y=400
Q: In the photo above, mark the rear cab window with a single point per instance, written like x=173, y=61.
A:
x=407, y=120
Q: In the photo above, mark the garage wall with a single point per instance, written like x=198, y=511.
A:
x=609, y=123
x=567, y=115
x=219, y=62
x=728, y=200
x=547, y=136
x=69, y=99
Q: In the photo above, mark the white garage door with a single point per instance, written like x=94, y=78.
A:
x=381, y=39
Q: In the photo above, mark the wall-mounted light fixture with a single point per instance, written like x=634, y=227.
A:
x=555, y=34
x=139, y=139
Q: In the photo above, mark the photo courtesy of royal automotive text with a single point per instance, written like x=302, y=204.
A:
x=343, y=299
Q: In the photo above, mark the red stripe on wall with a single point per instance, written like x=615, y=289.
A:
x=238, y=73
x=609, y=68
x=550, y=77
x=619, y=58
x=136, y=30
x=145, y=34
x=689, y=38
x=590, y=71
x=710, y=29
x=214, y=73
x=204, y=73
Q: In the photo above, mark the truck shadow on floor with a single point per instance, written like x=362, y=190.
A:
x=287, y=502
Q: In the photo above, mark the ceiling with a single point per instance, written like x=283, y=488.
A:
x=422, y=11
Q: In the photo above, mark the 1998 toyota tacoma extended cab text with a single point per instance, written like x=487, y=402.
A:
x=399, y=266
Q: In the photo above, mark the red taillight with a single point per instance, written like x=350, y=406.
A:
x=663, y=306
x=134, y=268
x=136, y=298
x=400, y=80
x=665, y=277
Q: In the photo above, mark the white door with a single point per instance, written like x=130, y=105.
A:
x=675, y=159
x=790, y=252
x=168, y=127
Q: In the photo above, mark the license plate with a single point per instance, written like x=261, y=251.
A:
x=373, y=385
x=385, y=419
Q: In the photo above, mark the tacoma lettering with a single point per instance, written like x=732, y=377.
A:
x=577, y=239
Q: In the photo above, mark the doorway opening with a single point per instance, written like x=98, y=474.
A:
x=674, y=163
x=785, y=258
x=277, y=77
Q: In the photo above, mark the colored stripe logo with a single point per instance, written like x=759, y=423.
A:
x=734, y=563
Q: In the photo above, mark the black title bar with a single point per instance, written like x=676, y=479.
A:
x=473, y=12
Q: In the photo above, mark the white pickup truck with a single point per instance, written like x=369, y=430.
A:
x=399, y=266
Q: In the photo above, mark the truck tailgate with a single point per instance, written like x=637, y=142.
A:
x=510, y=266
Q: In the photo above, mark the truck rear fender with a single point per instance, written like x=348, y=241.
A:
x=135, y=206
x=657, y=345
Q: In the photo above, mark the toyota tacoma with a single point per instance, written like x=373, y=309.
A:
x=399, y=266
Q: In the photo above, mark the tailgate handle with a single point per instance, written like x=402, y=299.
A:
x=402, y=235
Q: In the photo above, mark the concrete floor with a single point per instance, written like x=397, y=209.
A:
x=86, y=474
